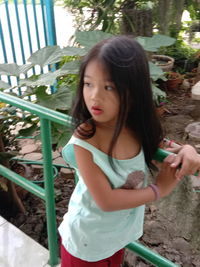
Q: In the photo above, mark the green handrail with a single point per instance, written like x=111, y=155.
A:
x=46, y=117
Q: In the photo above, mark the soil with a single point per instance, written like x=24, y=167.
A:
x=171, y=225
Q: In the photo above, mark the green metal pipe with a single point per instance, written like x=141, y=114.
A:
x=161, y=154
x=21, y=181
x=49, y=191
x=39, y=162
x=41, y=111
x=150, y=256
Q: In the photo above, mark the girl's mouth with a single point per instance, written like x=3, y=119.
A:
x=96, y=110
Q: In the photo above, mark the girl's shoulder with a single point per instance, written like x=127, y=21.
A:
x=86, y=133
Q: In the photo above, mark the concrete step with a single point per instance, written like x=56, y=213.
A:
x=19, y=250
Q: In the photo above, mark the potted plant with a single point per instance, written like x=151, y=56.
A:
x=166, y=63
x=174, y=79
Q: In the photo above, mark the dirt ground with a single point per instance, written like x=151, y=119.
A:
x=171, y=225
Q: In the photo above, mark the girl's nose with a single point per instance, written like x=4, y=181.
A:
x=96, y=94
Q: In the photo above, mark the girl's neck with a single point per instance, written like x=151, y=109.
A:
x=104, y=126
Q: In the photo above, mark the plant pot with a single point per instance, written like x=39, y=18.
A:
x=173, y=84
x=166, y=63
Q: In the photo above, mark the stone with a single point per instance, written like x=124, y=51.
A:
x=33, y=156
x=181, y=245
x=66, y=173
x=154, y=233
x=193, y=131
x=194, y=111
x=60, y=161
x=185, y=84
x=55, y=154
x=196, y=91
x=195, y=181
x=28, y=149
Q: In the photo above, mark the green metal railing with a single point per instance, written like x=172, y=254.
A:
x=47, y=193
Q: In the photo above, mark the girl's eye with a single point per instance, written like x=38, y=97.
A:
x=87, y=84
x=109, y=87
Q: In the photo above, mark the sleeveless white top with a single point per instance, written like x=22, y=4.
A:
x=89, y=233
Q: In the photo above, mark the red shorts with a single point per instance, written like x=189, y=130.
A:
x=67, y=260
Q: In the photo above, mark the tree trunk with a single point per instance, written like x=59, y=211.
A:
x=168, y=16
x=137, y=22
x=163, y=16
x=176, y=16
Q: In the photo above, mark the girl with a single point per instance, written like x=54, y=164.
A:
x=116, y=135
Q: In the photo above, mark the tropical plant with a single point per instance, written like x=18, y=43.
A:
x=65, y=76
x=184, y=55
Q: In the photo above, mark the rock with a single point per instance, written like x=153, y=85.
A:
x=59, y=160
x=193, y=131
x=195, y=110
x=181, y=245
x=154, y=233
x=28, y=149
x=33, y=156
x=185, y=84
x=66, y=173
x=55, y=154
x=196, y=91
x=195, y=181
x=37, y=168
x=196, y=262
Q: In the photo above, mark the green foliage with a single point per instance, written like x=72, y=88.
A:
x=89, y=38
x=152, y=44
x=104, y=14
x=183, y=54
x=193, y=6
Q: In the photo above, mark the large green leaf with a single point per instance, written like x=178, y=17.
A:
x=28, y=131
x=13, y=69
x=155, y=71
x=49, y=78
x=46, y=56
x=4, y=85
x=153, y=43
x=44, y=79
x=60, y=134
x=157, y=93
x=73, y=51
x=71, y=67
x=163, y=40
x=90, y=38
x=59, y=100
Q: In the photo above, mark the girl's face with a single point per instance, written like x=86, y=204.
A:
x=100, y=94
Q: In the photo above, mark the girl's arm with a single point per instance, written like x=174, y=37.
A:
x=109, y=199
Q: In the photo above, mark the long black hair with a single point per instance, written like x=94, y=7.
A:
x=128, y=67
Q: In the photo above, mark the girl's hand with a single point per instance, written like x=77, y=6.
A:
x=187, y=159
x=166, y=180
